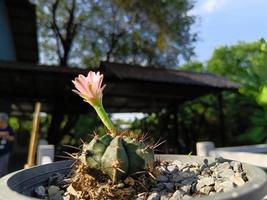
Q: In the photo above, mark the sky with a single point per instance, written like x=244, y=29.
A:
x=225, y=22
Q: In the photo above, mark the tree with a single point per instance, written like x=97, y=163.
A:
x=83, y=32
x=245, y=112
x=194, y=66
x=246, y=63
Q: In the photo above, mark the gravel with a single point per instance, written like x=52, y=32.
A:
x=185, y=181
x=176, y=181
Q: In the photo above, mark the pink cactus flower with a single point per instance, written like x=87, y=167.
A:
x=89, y=88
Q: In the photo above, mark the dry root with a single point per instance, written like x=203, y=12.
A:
x=94, y=185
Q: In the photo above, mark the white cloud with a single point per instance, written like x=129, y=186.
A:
x=207, y=6
x=212, y=5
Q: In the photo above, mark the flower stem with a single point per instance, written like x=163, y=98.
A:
x=105, y=119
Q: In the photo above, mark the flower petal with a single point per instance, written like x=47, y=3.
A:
x=80, y=85
x=89, y=87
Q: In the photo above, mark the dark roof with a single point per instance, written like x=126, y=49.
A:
x=163, y=75
x=129, y=88
x=22, y=18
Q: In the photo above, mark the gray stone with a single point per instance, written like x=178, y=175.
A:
x=223, y=185
x=179, y=164
x=177, y=195
x=203, y=166
x=193, y=187
x=68, y=197
x=162, y=178
x=226, y=173
x=56, y=179
x=138, y=198
x=237, y=180
x=172, y=168
x=206, y=172
x=207, y=181
x=223, y=166
x=186, y=180
x=220, y=159
x=154, y=196
x=163, y=170
x=186, y=188
x=212, y=193
x=161, y=186
x=237, y=166
x=155, y=189
x=199, y=185
x=187, y=197
x=143, y=194
x=206, y=190
x=177, y=185
x=177, y=178
x=169, y=187
x=195, y=170
x=165, y=196
x=213, y=164
x=243, y=175
x=189, y=181
x=188, y=175
x=40, y=191
x=213, y=168
x=58, y=196
x=195, y=164
x=186, y=169
x=53, y=190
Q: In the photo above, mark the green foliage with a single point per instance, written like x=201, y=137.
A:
x=246, y=63
x=257, y=132
x=194, y=66
x=14, y=123
x=87, y=124
x=261, y=97
x=84, y=129
x=135, y=31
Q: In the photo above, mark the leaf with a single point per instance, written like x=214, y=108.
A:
x=262, y=96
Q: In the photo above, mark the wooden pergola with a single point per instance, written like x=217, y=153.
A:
x=129, y=88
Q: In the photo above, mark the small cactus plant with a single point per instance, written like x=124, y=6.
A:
x=115, y=155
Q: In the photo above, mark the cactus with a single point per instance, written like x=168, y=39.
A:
x=115, y=155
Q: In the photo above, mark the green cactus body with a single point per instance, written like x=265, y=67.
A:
x=115, y=162
x=93, y=152
x=136, y=158
x=117, y=156
x=149, y=158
